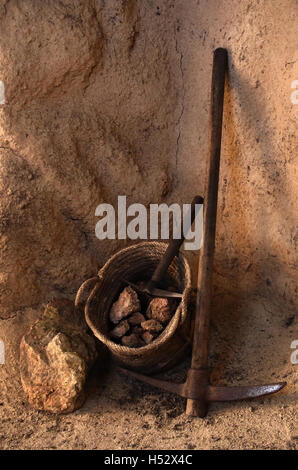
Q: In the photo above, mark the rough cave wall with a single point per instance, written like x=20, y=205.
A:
x=110, y=97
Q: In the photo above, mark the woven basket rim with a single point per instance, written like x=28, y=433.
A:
x=171, y=326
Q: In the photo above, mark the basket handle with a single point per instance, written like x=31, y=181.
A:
x=88, y=284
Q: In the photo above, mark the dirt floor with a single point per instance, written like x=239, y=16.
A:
x=108, y=98
x=123, y=414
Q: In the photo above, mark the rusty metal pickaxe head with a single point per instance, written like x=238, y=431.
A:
x=154, y=291
x=197, y=388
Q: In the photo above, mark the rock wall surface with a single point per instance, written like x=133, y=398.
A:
x=107, y=98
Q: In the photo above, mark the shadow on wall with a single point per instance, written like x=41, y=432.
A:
x=257, y=209
x=254, y=299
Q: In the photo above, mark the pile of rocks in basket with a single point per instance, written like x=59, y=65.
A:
x=139, y=323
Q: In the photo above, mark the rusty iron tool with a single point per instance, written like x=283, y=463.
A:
x=170, y=253
x=197, y=389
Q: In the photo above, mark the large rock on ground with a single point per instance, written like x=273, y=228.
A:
x=55, y=357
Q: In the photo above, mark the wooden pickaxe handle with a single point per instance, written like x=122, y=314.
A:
x=202, y=320
x=172, y=249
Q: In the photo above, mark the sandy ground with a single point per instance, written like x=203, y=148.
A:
x=120, y=413
x=111, y=98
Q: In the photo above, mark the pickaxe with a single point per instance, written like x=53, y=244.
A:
x=197, y=389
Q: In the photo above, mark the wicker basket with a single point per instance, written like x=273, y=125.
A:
x=134, y=263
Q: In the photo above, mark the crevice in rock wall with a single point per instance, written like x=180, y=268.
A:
x=180, y=54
